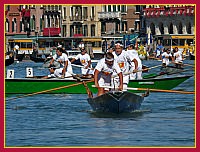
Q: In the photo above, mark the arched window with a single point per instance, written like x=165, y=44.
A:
x=170, y=28
x=7, y=25
x=32, y=23
x=161, y=27
x=152, y=27
x=14, y=25
x=85, y=30
x=92, y=30
x=180, y=28
x=189, y=31
x=42, y=22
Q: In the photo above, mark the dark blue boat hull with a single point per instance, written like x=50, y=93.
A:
x=116, y=102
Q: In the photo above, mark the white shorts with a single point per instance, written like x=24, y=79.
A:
x=104, y=81
x=87, y=71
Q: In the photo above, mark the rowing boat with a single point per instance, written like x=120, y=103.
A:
x=31, y=85
x=116, y=102
x=9, y=61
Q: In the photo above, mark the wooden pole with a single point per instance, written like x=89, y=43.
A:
x=153, y=90
x=160, y=90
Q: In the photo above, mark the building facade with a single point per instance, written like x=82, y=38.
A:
x=80, y=21
x=97, y=21
x=162, y=20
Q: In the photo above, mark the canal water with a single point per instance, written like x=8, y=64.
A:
x=63, y=120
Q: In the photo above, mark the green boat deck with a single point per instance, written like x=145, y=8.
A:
x=30, y=85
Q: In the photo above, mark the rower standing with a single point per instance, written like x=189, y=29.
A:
x=123, y=59
x=134, y=53
x=103, y=72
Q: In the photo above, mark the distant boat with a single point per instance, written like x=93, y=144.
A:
x=116, y=102
x=20, y=57
x=37, y=59
x=9, y=61
x=192, y=56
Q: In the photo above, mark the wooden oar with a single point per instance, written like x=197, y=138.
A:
x=127, y=73
x=89, y=92
x=189, y=65
x=154, y=90
x=80, y=66
x=45, y=91
x=160, y=90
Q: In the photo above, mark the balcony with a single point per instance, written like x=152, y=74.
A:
x=109, y=15
x=78, y=18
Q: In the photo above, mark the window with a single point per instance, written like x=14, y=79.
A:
x=93, y=30
x=137, y=8
x=85, y=11
x=175, y=42
x=182, y=42
x=104, y=8
x=14, y=24
x=64, y=13
x=119, y=8
x=124, y=8
x=85, y=30
x=29, y=45
x=167, y=42
x=114, y=8
x=7, y=25
x=109, y=8
x=92, y=12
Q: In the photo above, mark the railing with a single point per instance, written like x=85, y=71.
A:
x=106, y=15
x=78, y=18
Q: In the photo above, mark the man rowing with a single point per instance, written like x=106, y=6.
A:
x=85, y=62
x=103, y=72
x=65, y=64
x=123, y=59
x=131, y=50
x=178, y=57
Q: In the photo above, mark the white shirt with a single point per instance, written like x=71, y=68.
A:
x=107, y=70
x=16, y=47
x=178, y=56
x=63, y=58
x=123, y=60
x=134, y=53
x=84, y=59
x=81, y=45
x=165, y=57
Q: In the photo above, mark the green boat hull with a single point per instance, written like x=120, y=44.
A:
x=29, y=85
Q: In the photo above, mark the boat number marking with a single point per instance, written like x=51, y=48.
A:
x=10, y=74
x=146, y=82
x=29, y=72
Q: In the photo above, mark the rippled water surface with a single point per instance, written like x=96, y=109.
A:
x=165, y=119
